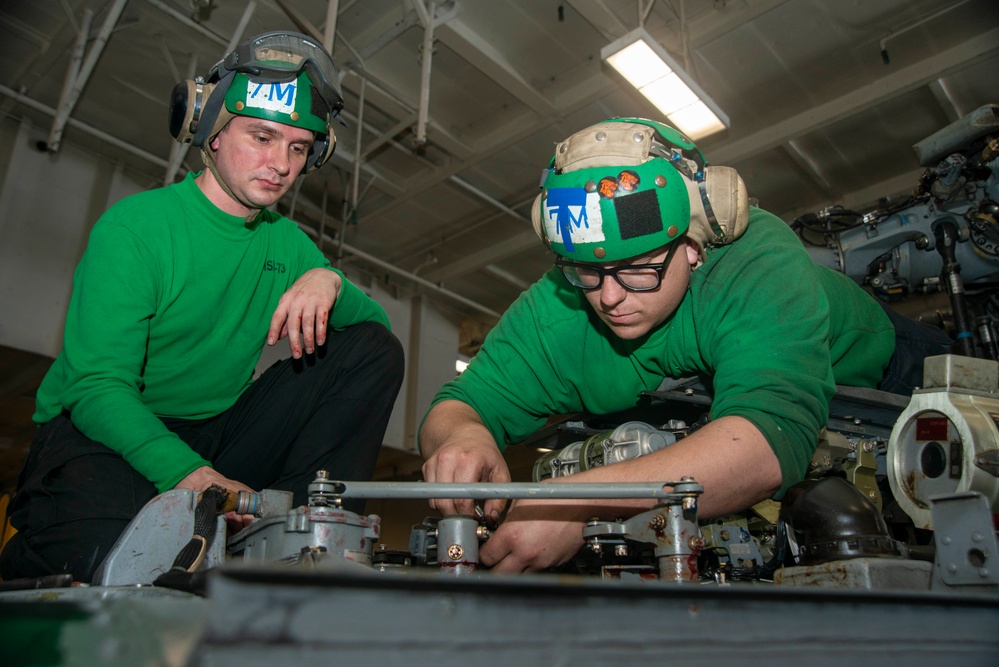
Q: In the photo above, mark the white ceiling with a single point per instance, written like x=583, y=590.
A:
x=818, y=116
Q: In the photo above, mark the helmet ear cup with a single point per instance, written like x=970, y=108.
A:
x=719, y=207
x=729, y=200
x=320, y=151
x=538, y=224
x=187, y=103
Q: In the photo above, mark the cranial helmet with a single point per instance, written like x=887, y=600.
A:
x=627, y=186
x=283, y=77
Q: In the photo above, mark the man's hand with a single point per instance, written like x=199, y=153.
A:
x=535, y=535
x=462, y=460
x=202, y=478
x=459, y=448
x=304, y=310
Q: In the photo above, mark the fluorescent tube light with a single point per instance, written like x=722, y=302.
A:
x=646, y=65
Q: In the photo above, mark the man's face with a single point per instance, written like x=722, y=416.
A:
x=260, y=159
x=631, y=315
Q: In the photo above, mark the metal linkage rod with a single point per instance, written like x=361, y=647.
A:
x=487, y=490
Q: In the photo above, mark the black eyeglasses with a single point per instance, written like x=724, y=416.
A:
x=632, y=277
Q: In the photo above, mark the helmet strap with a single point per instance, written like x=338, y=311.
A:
x=209, y=158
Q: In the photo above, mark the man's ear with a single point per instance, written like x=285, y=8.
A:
x=693, y=252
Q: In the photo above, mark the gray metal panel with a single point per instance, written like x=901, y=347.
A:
x=291, y=618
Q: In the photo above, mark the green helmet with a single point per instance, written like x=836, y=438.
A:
x=281, y=76
x=617, y=189
x=291, y=103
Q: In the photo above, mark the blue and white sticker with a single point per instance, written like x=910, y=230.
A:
x=278, y=97
x=572, y=215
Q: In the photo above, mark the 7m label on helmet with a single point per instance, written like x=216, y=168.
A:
x=278, y=97
x=571, y=216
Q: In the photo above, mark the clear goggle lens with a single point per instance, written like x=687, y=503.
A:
x=281, y=56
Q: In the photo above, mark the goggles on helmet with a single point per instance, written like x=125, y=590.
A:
x=279, y=57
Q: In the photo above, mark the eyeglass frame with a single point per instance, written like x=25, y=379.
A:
x=659, y=267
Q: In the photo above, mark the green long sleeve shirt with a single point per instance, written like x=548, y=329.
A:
x=775, y=331
x=170, y=309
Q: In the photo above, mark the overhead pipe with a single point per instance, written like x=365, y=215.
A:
x=355, y=176
x=422, y=281
x=193, y=25
x=80, y=76
x=426, y=15
x=154, y=159
x=92, y=131
x=178, y=151
x=329, y=33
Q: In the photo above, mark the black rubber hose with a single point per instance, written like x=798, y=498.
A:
x=947, y=237
x=182, y=574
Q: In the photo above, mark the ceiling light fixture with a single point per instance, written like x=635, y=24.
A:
x=646, y=65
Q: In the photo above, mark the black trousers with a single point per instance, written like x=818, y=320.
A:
x=328, y=411
x=914, y=341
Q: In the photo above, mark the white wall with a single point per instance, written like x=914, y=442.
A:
x=48, y=205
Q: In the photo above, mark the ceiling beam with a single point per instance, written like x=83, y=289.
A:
x=483, y=56
x=79, y=74
x=496, y=252
x=702, y=30
x=865, y=198
x=858, y=100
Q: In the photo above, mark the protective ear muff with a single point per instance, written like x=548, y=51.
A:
x=321, y=150
x=187, y=105
x=729, y=201
x=719, y=206
x=536, y=222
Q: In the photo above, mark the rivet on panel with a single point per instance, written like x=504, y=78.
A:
x=239, y=106
x=591, y=186
x=561, y=148
x=672, y=231
x=599, y=253
x=638, y=137
x=294, y=115
x=601, y=135
x=661, y=181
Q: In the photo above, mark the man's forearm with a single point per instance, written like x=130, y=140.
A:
x=451, y=420
x=729, y=457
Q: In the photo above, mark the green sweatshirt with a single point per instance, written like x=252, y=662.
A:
x=774, y=330
x=170, y=309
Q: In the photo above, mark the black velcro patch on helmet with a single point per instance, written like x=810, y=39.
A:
x=319, y=108
x=638, y=214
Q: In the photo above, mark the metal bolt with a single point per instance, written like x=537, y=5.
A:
x=658, y=521
x=621, y=550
